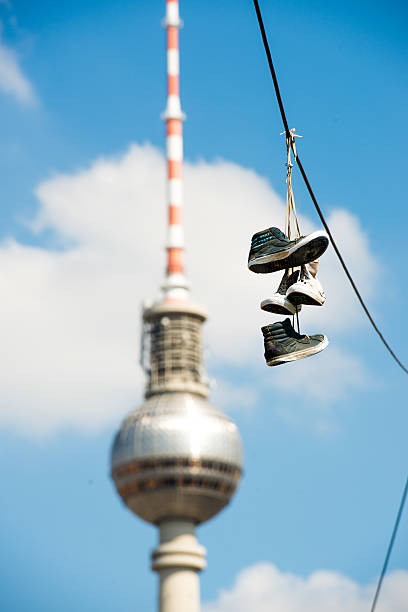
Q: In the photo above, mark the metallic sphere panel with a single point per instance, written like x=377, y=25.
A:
x=177, y=456
x=177, y=424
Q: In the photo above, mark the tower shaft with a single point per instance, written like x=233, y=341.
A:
x=177, y=560
x=175, y=286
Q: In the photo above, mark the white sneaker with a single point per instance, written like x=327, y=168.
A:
x=278, y=303
x=307, y=290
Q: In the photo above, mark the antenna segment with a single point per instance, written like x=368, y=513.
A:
x=175, y=286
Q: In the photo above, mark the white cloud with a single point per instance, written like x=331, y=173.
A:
x=264, y=588
x=233, y=397
x=12, y=79
x=70, y=317
x=315, y=383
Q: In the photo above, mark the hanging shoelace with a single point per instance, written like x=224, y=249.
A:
x=291, y=220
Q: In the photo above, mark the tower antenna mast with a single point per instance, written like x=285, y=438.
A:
x=175, y=286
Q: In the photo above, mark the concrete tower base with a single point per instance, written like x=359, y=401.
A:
x=178, y=559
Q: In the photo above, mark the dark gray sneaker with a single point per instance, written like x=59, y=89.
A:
x=283, y=344
x=278, y=303
x=271, y=250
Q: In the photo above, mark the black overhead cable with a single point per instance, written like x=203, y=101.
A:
x=390, y=545
x=310, y=190
x=356, y=291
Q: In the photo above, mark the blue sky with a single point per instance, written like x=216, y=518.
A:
x=82, y=86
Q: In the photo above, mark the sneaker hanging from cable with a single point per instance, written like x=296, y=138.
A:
x=296, y=288
x=278, y=303
x=307, y=289
x=283, y=344
x=272, y=250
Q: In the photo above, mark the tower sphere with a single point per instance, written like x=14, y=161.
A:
x=176, y=456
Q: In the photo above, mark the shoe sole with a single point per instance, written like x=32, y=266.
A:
x=279, y=305
x=303, y=295
x=308, y=352
x=306, y=250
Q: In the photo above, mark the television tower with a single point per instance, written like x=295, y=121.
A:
x=176, y=460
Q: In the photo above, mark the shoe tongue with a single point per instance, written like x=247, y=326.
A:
x=278, y=233
x=312, y=267
x=305, y=274
x=289, y=329
x=287, y=325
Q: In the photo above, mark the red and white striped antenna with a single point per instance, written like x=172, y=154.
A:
x=175, y=286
